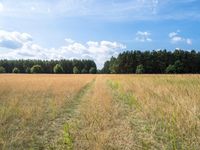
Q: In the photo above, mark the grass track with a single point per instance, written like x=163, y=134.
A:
x=53, y=136
x=101, y=112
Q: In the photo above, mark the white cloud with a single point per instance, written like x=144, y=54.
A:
x=1, y=7
x=143, y=36
x=69, y=41
x=189, y=41
x=172, y=34
x=21, y=46
x=13, y=40
x=176, y=38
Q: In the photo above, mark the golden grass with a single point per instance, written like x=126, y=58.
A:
x=29, y=104
x=165, y=110
x=115, y=112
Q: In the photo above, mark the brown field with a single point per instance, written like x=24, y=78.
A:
x=99, y=112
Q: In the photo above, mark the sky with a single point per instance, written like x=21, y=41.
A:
x=95, y=29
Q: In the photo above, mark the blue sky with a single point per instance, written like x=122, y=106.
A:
x=95, y=29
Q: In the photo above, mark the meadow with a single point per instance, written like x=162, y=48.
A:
x=95, y=112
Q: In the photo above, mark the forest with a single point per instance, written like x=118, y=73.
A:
x=150, y=62
x=158, y=62
x=45, y=66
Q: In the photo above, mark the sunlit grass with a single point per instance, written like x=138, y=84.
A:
x=167, y=110
x=30, y=103
x=100, y=112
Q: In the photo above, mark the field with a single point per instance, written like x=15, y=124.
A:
x=99, y=112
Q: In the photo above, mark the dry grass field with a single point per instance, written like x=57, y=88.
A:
x=95, y=112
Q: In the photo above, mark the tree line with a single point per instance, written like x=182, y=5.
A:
x=162, y=61
x=44, y=66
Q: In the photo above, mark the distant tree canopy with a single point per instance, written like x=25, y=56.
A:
x=2, y=69
x=15, y=70
x=36, y=69
x=52, y=66
x=140, y=69
x=76, y=70
x=93, y=70
x=58, y=69
x=161, y=61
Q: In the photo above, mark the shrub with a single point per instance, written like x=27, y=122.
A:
x=93, y=70
x=36, y=69
x=2, y=69
x=170, y=69
x=76, y=70
x=140, y=69
x=15, y=70
x=58, y=69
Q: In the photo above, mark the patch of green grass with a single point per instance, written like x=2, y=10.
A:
x=67, y=138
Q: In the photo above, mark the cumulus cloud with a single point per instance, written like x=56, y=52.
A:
x=143, y=36
x=21, y=46
x=13, y=40
x=69, y=41
x=176, y=38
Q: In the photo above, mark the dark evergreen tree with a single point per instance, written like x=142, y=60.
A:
x=28, y=70
x=154, y=61
x=178, y=66
x=84, y=71
x=170, y=69
x=93, y=70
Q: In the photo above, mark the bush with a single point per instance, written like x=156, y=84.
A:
x=36, y=69
x=93, y=70
x=84, y=71
x=2, y=69
x=76, y=70
x=170, y=69
x=140, y=69
x=58, y=69
x=15, y=70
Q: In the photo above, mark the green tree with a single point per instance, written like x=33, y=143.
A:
x=2, y=69
x=15, y=70
x=58, y=69
x=84, y=71
x=93, y=70
x=28, y=70
x=36, y=69
x=170, y=69
x=140, y=69
x=76, y=70
x=178, y=66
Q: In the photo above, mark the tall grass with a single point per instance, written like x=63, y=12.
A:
x=30, y=107
x=100, y=112
x=167, y=111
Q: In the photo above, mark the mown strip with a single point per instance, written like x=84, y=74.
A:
x=52, y=136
